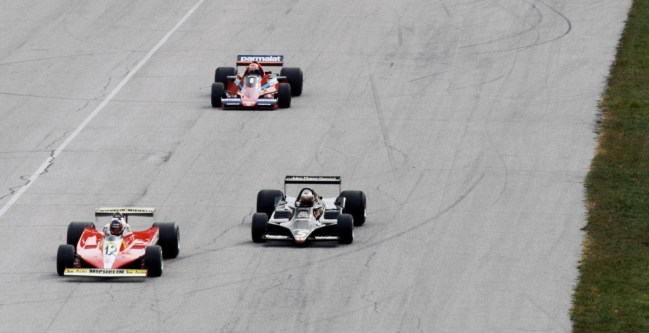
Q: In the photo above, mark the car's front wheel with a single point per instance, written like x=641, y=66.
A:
x=64, y=258
x=153, y=260
x=259, y=227
x=284, y=95
x=345, y=229
x=217, y=92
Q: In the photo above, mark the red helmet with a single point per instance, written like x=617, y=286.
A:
x=307, y=198
x=254, y=69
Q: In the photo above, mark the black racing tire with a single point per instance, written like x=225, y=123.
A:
x=217, y=92
x=345, y=227
x=221, y=74
x=295, y=78
x=153, y=260
x=355, y=204
x=266, y=201
x=259, y=227
x=64, y=258
x=284, y=95
x=75, y=229
x=169, y=239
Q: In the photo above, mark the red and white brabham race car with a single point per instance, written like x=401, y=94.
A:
x=258, y=82
x=89, y=252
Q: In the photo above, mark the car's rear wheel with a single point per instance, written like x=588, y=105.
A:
x=355, y=204
x=221, y=74
x=266, y=200
x=169, y=238
x=295, y=79
x=217, y=92
x=259, y=227
x=284, y=95
x=64, y=258
x=345, y=227
x=75, y=229
x=153, y=260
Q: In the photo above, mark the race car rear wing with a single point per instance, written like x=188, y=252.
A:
x=270, y=63
x=126, y=211
x=329, y=180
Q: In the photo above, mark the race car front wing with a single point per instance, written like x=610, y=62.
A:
x=261, y=102
x=105, y=272
x=288, y=238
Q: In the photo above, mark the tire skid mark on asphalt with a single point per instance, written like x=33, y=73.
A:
x=488, y=135
x=564, y=17
x=537, y=42
x=532, y=27
x=379, y=114
x=394, y=211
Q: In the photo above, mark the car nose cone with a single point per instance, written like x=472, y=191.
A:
x=300, y=235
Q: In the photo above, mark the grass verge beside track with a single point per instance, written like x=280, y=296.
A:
x=613, y=290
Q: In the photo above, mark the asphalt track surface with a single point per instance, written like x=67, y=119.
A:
x=469, y=124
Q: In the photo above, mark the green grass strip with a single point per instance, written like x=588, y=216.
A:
x=612, y=294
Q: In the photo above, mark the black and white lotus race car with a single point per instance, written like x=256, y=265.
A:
x=282, y=217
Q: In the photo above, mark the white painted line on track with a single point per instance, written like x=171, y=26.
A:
x=98, y=109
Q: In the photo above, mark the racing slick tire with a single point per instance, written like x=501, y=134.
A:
x=295, y=78
x=284, y=95
x=169, y=239
x=355, y=204
x=64, y=258
x=221, y=74
x=345, y=227
x=266, y=200
x=217, y=92
x=153, y=260
x=259, y=227
x=75, y=229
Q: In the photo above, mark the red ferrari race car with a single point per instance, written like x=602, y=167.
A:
x=258, y=82
x=115, y=251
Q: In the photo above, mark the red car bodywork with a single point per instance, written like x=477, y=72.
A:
x=90, y=247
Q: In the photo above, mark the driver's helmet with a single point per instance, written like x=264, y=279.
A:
x=117, y=224
x=307, y=198
x=254, y=69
